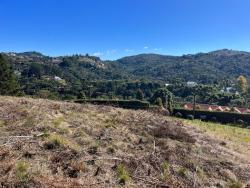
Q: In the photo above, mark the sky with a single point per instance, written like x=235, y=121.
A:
x=112, y=29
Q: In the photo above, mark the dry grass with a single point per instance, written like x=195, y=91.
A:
x=100, y=146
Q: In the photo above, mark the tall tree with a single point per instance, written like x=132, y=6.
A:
x=242, y=86
x=8, y=82
x=166, y=98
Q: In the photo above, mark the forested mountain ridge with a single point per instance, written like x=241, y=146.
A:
x=202, y=67
x=139, y=76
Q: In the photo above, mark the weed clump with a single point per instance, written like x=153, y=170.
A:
x=182, y=171
x=22, y=171
x=55, y=141
x=165, y=169
x=123, y=174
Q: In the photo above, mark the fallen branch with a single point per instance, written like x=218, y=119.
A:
x=16, y=137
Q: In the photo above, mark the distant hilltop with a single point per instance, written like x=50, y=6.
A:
x=201, y=67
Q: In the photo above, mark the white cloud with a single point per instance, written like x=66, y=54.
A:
x=98, y=54
x=129, y=50
x=145, y=47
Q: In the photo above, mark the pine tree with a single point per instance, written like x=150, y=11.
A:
x=8, y=82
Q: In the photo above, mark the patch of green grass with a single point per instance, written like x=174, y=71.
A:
x=123, y=174
x=22, y=171
x=223, y=131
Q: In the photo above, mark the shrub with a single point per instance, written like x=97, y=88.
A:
x=178, y=114
x=22, y=171
x=55, y=141
x=189, y=116
x=240, y=121
x=123, y=175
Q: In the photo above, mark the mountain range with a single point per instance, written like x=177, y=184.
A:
x=204, y=68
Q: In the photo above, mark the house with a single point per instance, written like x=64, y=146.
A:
x=229, y=90
x=57, y=78
x=212, y=108
x=191, y=84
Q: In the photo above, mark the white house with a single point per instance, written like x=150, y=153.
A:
x=191, y=84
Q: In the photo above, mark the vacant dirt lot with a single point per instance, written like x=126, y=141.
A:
x=57, y=144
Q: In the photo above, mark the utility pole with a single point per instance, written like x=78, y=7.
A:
x=194, y=103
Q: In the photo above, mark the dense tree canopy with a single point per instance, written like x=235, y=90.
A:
x=8, y=82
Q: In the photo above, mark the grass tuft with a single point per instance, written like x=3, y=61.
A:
x=55, y=141
x=123, y=174
x=22, y=171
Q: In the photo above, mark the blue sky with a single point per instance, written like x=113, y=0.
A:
x=115, y=28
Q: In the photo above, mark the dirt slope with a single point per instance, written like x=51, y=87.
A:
x=57, y=144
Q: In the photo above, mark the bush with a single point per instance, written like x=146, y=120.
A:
x=189, y=116
x=178, y=114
